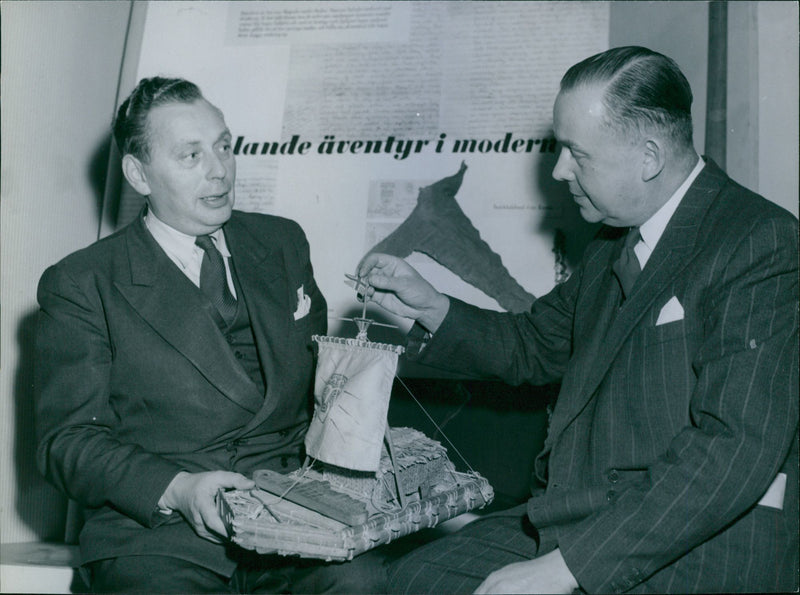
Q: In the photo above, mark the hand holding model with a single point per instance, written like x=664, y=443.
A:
x=399, y=288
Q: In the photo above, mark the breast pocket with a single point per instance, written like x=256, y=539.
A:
x=662, y=333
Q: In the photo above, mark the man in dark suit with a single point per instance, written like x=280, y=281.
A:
x=174, y=359
x=671, y=459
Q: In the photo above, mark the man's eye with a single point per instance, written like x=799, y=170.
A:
x=225, y=148
x=191, y=157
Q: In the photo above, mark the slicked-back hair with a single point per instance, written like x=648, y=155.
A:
x=644, y=90
x=130, y=125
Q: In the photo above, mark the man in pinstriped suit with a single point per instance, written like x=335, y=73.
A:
x=671, y=462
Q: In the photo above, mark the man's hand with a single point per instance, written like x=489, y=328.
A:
x=194, y=496
x=546, y=574
x=400, y=289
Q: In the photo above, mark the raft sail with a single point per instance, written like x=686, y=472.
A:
x=351, y=401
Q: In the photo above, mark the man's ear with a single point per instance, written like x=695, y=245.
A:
x=134, y=172
x=654, y=159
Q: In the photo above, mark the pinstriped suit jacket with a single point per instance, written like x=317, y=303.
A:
x=664, y=437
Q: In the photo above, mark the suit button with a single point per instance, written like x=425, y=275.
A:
x=230, y=446
x=229, y=339
x=611, y=496
x=284, y=461
x=238, y=354
x=613, y=476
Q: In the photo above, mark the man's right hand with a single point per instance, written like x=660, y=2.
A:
x=400, y=289
x=194, y=496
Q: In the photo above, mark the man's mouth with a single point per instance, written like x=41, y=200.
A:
x=216, y=198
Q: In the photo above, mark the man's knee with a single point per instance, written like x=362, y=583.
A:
x=458, y=563
x=363, y=574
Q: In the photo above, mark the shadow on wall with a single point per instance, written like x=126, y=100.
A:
x=98, y=173
x=40, y=506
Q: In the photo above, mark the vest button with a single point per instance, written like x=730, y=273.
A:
x=613, y=476
x=611, y=496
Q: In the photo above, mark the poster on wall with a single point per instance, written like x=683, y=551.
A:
x=419, y=128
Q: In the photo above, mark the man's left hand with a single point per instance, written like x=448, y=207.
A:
x=546, y=574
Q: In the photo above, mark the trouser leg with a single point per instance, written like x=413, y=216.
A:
x=458, y=563
x=153, y=574
x=278, y=574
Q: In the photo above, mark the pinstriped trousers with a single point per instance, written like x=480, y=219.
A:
x=458, y=563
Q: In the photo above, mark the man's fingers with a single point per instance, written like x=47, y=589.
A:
x=240, y=482
x=376, y=260
x=207, y=522
x=216, y=528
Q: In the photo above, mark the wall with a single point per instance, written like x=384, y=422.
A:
x=778, y=105
x=60, y=68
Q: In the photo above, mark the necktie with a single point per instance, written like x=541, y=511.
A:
x=627, y=267
x=213, y=280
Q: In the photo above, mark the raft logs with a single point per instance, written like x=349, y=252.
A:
x=400, y=148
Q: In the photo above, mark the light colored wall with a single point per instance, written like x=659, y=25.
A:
x=778, y=102
x=61, y=63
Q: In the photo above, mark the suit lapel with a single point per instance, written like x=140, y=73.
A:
x=169, y=303
x=672, y=254
x=261, y=271
x=602, y=305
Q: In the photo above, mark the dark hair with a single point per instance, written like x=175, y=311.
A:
x=130, y=125
x=644, y=89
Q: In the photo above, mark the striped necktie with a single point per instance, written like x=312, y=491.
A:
x=214, y=280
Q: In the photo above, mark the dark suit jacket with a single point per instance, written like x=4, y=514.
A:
x=664, y=436
x=135, y=381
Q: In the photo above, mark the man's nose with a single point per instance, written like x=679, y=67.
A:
x=562, y=171
x=216, y=166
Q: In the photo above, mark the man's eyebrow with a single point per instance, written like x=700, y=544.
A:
x=571, y=145
x=192, y=142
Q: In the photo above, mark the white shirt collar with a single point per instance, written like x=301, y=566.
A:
x=177, y=244
x=652, y=229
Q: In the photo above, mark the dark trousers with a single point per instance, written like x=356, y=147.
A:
x=458, y=563
x=255, y=574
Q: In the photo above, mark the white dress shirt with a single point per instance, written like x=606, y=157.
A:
x=182, y=250
x=652, y=229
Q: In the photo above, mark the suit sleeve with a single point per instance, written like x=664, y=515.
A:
x=530, y=347
x=743, y=421
x=76, y=450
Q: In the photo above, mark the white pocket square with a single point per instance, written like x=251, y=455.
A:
x=671, y=312
x=303, y=304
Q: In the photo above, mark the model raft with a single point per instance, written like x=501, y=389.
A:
x=364, y=484
x=262, y=520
